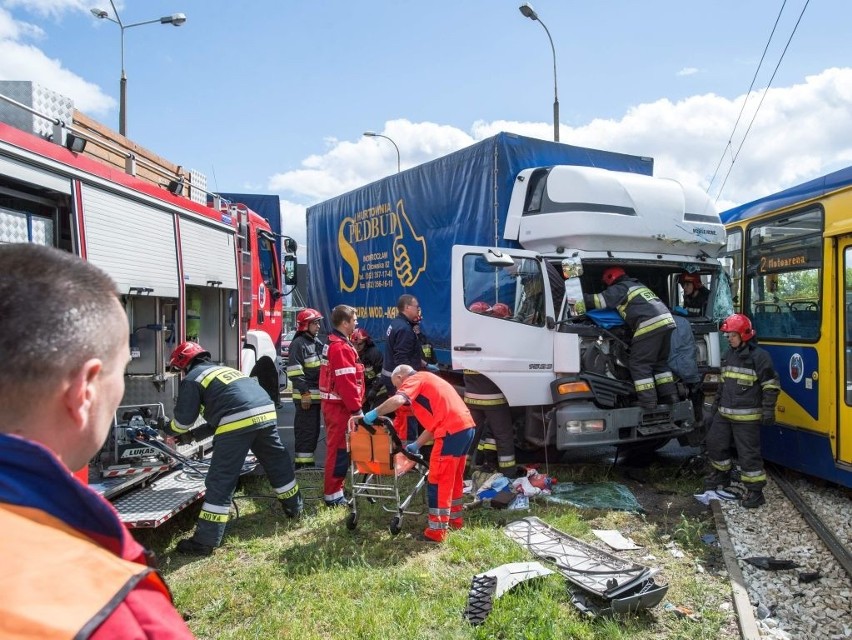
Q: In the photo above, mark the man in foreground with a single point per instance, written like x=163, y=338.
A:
x=447, y=421
x=70, y=567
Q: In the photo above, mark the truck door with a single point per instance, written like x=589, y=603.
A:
x=500, y=304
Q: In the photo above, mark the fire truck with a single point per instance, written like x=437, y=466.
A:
x=188, y=265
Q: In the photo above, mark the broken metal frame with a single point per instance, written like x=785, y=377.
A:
x=612, y=584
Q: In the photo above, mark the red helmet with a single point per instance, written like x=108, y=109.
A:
x=738, y=323
x=693, y=278
x=501, y=310
x=479, y=307
x=359, y=335
x=185, y=353
x=305, y=317
x=611, y=274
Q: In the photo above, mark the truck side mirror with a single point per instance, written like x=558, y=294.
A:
x=290, y=270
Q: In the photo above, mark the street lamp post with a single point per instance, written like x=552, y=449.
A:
x=176, y=19
x=527, y=10
x=373, y=134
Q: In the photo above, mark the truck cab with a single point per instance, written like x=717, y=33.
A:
x=563, y=371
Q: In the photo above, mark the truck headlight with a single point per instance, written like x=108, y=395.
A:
x=584, y=426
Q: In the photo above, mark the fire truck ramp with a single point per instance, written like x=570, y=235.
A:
x=150, y=506
x=611, y=584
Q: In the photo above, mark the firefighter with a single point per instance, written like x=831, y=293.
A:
x=695, y=295
x=745, y=401
x=71, y=569
x=493, y=418
x=242, y=417
x=651, y=324
x=342, y=391
x=447, y=421
x=303, y=365
x=371, y=358
x=403, y=347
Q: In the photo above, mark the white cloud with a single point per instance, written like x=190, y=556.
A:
x=687, y=71
x=21, y=61
x=51, y=8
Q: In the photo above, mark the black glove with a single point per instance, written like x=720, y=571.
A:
x=185, y=438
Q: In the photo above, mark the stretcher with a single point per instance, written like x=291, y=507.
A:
x=377, y=462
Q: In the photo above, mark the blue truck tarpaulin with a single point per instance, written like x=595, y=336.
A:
x=395, y=235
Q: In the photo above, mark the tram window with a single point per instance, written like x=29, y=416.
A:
x=783, y=275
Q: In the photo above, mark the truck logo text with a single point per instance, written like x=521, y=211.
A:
x=372, y=269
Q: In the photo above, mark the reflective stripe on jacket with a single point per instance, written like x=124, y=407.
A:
x=341, y=373
x=227, y=399
x=640, y=307
x=750, y=384
x=303, y=365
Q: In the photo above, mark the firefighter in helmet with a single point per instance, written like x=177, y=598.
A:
x=371, y=358
x=241, y=417
x=695, y=295
x=651, y=324
x=745, y=401
x=303, y=366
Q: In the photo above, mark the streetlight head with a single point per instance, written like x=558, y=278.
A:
x=370, y=134
x=528, y=11
x=177, y=19
x=100, y=14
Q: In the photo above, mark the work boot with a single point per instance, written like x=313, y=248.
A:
x=716, y=479
x=337, y=502
x=192, y=548
x=754, y=498
x=293, y=506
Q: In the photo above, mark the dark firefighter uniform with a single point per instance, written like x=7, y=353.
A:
x=651, y=323
x=372, y=359
x=342, y=390
x=243, y=417
x=427, y=352
x=493, y=417
x=401, y=347
x=303, y=366
x=747, y=398
x=696, y=304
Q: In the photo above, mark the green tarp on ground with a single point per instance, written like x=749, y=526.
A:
x=596, y=495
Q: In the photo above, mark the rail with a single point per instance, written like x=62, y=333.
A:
x=837, y=548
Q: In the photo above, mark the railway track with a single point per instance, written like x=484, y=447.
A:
x=808, y=528
x=837, y=548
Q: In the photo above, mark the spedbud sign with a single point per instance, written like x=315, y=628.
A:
x=377, y=245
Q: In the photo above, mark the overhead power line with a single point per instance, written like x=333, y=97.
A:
x=748, y=95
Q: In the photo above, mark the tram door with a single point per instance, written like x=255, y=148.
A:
x=844, y=334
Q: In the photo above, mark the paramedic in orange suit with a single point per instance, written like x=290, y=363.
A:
x=446, y=420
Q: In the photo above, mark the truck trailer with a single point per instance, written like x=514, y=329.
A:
x=186, y=271
x=525, y=227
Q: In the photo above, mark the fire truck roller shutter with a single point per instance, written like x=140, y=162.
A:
x=132, y=241
x=208, y=254
x=31, y=175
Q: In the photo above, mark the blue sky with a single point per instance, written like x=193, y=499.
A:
x=272, y=96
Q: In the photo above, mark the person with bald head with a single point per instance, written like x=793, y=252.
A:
x=446, y=421
x=64, y=345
